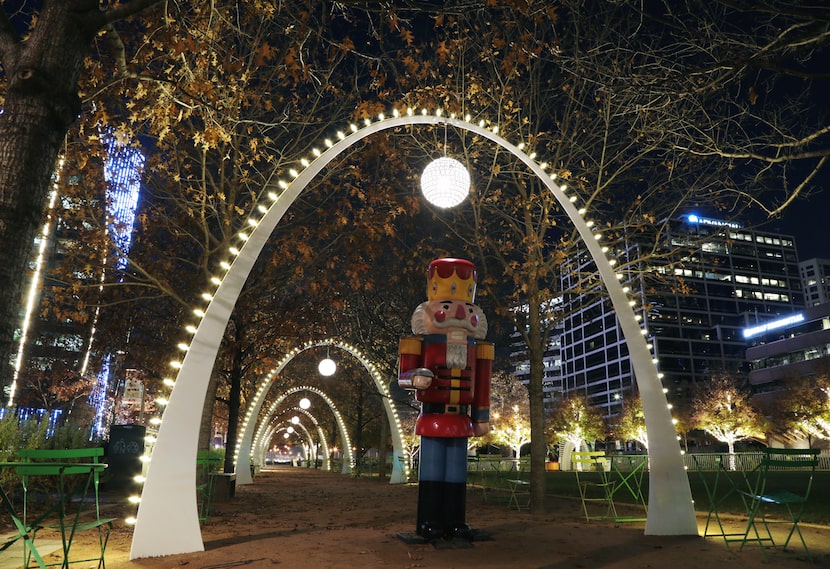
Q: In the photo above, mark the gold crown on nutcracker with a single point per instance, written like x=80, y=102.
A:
x=451, y=279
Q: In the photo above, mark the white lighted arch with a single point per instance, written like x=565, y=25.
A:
x=273, y=431
x=242, y=453
x=168, y=520
x=259, y=438
x=262, y=447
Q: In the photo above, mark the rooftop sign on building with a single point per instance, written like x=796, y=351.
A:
x=773, y=325
x=698, y=220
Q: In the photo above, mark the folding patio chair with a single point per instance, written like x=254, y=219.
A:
x=518, y=485
x=628, y=472
x=207, y=462
x=75, y=505
x=783, y=479
x=720, y=485
x=594, y=486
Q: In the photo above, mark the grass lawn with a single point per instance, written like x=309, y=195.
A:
x=564, y=484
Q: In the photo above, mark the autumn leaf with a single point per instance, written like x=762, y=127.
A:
x=263, y=54
x=346, y=45
x=443, y=52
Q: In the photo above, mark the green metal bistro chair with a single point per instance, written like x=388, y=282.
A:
x=628, y=472
x=206, y=462
x=595, y=487
x=76, y=505
x=782, y=480
x=493, y=487
x=519, y=485
x=719, y=488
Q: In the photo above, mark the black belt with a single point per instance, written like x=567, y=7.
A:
x=441, y=408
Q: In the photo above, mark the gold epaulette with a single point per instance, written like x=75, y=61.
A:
x=486, y=351
x=410, y=346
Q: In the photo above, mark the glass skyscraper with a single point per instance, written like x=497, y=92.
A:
x=697, y=285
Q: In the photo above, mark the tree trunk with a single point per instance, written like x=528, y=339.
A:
x=731, y=449
x=538, y=447
x=206, y=424
x=384, y=441
x=358, y=436
x=40, y=103
x=234, y=403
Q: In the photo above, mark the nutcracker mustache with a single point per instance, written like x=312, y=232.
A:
x=420, y=317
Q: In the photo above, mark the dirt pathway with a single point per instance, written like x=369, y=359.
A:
x=309, y=519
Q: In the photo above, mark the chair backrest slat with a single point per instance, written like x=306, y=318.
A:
x=587, y=456
x=67, y=454
x=790, y=458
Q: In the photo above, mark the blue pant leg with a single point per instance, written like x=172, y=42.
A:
x=433, y=459
x=430, y=523
x=455, y=467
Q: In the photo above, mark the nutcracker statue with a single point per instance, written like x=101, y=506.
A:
x=448, y=367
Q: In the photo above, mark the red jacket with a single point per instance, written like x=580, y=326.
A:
x=457, y=397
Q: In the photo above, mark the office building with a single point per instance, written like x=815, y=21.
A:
x=815, y=275
x=594, y=351
x=552, y=358
x=797, y=345
x=705, y=282
x=49, y=340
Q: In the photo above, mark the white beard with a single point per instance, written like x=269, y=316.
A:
x=457, y=356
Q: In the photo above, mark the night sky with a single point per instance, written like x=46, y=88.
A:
x=809, y=222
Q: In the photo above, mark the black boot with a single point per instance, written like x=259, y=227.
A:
x=455, y=511
x=430, y=499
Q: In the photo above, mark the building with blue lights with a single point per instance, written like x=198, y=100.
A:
x=47, y=340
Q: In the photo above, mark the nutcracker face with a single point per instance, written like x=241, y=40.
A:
x=450, y=317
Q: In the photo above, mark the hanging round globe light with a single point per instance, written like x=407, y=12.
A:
x=445, y=182
x=327, y=367
x=305, y=403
